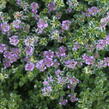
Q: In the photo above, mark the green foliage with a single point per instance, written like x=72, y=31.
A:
x=94, y=91
x=21, y=89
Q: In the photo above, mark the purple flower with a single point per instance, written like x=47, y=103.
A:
x=48, y=54
x=107, y=13
x=66, y=24
x=89, y=60
x=73, y=80
x=3, y=47
x=29, y=66
x=107, y=39
x=29, y=50
x=6, y=54
x=61, y=51
x=48, y=62
x=104, y=22
x=15, y=51
x=42, y=24
x=46, y=90
x=63, y=102
x=34, y=7
x=16, y=24
x=106, y=61
x=50, y=79
x=70, y=63
x=101, y=44
x=41, y=65
x=26, y=59
x=45, y=83
x=4, y=27
x=76, y=46
x=73, y=98
x=14, y=40
x=51, y=6
x=92, y=11
x=12, y=55
x=70, y=86
x=18, y=2
x=57, y=72
x=6, y=63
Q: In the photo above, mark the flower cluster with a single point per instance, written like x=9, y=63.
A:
x=10, y=56
x=69, y=82
x=92, y=11
x=66, y=24
x=54, y=51
x=89, y=60
x=34, y=7
x=102, y=43
x=3, y=48
x=14, y=40
x=104, y=21
x=4, y=27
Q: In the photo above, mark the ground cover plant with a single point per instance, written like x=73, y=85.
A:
x=54, y=54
